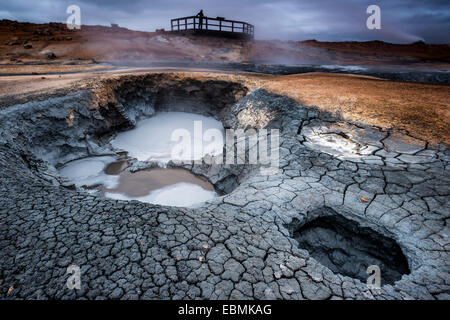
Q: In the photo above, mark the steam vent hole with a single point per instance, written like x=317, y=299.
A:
x=347, y=248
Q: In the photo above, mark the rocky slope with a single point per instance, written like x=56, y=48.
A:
x=53, y=42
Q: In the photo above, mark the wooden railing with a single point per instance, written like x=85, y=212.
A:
x=212, y=24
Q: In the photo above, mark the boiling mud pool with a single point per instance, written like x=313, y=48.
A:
x=151, y=140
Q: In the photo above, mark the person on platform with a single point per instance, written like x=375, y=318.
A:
x=200, y=16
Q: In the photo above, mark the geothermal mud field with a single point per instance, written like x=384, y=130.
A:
x=346, y=196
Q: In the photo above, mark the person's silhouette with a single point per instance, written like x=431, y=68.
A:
x=200, y=16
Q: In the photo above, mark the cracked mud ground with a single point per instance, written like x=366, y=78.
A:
x=242, y=245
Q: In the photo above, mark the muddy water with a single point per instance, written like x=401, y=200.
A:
x=172, y=187
x=143, y=182
x=151, y=139
x=116, y=168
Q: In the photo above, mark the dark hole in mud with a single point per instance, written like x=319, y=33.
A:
x=227, y=184
x=347, y=248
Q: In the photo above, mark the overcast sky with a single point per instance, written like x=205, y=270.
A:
x=332, y=20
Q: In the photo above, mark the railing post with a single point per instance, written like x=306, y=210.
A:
x=232, y=26
x=178, y=22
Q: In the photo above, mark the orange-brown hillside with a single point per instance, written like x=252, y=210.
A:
x=54, y=42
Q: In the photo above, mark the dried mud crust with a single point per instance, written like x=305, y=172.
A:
x=237, y=246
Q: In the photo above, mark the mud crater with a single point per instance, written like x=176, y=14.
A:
x=39, y=137
x=83, y=124
x=348, y=248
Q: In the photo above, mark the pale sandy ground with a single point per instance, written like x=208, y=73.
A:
x=421, y=109
x=44, y=68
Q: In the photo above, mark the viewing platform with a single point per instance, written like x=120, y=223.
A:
x=218, y=27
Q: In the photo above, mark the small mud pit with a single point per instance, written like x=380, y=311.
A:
x=172, y=187
x=347, y=248
x=152, y=140
x=91, y=171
